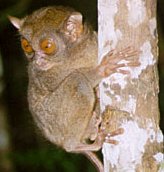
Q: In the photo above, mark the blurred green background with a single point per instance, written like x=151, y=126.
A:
x=22, y=149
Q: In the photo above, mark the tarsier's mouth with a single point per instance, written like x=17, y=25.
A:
x=43, y=64
x=45, y=67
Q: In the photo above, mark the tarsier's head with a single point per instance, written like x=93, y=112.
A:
x=47, y=34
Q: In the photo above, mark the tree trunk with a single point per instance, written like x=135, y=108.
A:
x=132, y=23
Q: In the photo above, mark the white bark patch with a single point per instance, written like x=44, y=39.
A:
x=118, y=98
x=137, y=12
x=105, y=99
x=160, y=136
x=153, y=135
x=152, y=27
x=151, y=132
x=131, y=143
x=130, y=105
x=116, y=78
x=159, y=157
x=108, y=9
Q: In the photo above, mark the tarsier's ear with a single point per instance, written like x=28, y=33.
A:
x=16, y=21
x=73, y=27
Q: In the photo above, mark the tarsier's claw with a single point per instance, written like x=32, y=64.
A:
x=114, y=142
x=112, y=134
x=134, y=64
x=116, y=132
x=125, y=72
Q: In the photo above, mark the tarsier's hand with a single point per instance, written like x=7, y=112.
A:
x=111, y=63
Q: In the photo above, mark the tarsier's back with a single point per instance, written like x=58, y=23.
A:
x=61, y=99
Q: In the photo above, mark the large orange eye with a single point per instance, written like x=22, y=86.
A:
x=48, y=46
x=26, y=46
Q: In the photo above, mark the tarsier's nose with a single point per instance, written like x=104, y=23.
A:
x=41, y=62
x=40, y=58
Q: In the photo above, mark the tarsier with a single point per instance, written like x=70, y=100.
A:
x=63, y=71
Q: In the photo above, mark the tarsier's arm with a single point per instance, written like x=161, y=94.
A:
x=111, y=64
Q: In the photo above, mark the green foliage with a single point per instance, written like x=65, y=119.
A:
x=50, y=160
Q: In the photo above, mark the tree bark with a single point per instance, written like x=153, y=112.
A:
x=134, y=96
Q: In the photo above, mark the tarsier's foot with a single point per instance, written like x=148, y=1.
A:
x=113, y=61
x=106, y=137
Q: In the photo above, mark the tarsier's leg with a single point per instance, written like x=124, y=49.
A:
x=93, y=127
x=88, y=149
x=93, y=157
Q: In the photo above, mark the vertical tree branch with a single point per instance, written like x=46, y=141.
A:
x=125, y=23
